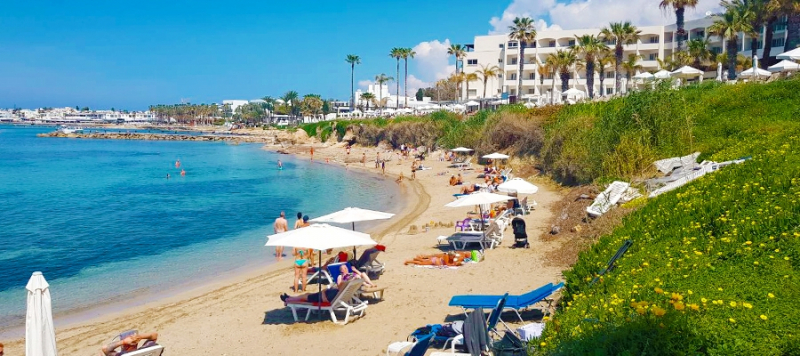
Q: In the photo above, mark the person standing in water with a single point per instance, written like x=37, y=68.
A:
x=312, y=153
x=299, y=223
x=183, y=173
x=280, y=164
x=178, y=163
x=281, y=225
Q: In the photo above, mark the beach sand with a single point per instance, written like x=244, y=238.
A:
x=244, y=316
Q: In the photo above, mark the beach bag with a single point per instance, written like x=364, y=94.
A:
x=476, y=257
x=509, y=345
x=451, y=330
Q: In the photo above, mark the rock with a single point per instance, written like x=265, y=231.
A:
x=576, y=228
x=555, y=230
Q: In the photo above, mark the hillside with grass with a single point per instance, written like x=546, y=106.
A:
x=713, y=268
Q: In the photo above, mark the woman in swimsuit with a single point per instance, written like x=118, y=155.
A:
x=345, y=275
x=441, y=259
x=300, y=267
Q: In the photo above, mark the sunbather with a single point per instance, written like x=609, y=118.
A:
x=130, y=344
x=469, y=188
x=346, y=275
x=441, y=259
x=460, y=179
x=326, y=296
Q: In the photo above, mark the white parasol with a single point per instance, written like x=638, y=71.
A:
x=496, y=155
x=517, y=185
x=40, y=335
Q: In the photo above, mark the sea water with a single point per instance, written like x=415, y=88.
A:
x=104, y=224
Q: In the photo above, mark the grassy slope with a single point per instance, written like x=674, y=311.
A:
x=718, y=258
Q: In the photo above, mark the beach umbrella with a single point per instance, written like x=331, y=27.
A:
x=320, y=237
x=687, y=72
x=662, y=74
x=352, y=215
x=644, y=76
x=719, y=71
x=754, y=72
x=529, y=105
x=473, y=103
x=479, y=199
x=40, y=335
x=793, y=55
x=517, y=185
x=462, y=149
x=784, y=66
x=496, y=156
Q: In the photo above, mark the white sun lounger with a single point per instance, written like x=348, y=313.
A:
x=154, y=350
x=607, y=199
x=346, y=301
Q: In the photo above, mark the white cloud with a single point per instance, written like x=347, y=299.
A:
x=579, y=14
x=432, y=61
x=415, y=83
x=363, y=84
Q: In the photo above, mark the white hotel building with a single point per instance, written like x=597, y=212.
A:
x=655, y=42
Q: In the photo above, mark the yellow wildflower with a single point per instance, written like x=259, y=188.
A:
x=770, y=295
x=733, y=304
x=748, y=305
x=678, y=306
x=703, y=300
x=694, y=307
x=732, y=320
x=657, y=311
x=543, y=344
x=658, y=290
x=641, y=311
x=763, y=317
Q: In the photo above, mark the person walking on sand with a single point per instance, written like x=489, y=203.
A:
x=364, y=159
x=413, y=170
x=281, y=225
x=312, y=153
x=383, y=167
x=378, y=160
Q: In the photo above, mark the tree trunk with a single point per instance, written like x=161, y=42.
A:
x=590, y=76
x=485, y=81
x=521, y=68
x=617, y=62
x=602, y=74
x=553, y=89
x=564, y=83
x=352, y=87
x=793, y=31
x=405, y=84
x=733, y=50
x=679, y=24
x=397, y=90
x=768, y=34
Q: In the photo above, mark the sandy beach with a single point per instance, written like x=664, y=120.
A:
x=244, y=316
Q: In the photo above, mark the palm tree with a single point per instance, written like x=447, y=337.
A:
x=631, y=66
x=353, y=60
x=382, y=79
x=458, y=51
x=407, y=53
x=563, y=61
x=698, y=50
x=735, y=19
x=604, y=59
x=680, y=7
x=368, y=97
x=589, y=46
x=457, y=79
x=621, y=33
x=487, y=72
x=523, y=31
x=290, y=98
x=467, y=78
x=790, y=9
x=397, y=53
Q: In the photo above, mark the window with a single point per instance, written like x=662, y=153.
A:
x=716, y=50
x=699, y=34
x=502, y=45
x=472, y=62
x=513, y=45
x=472, y=93
x=532, y=76
x=513, y=61
x=652, y=56
x=611, y=42
x=609, y=91
x=571, y=43
x=499, y=61
x=609, y=75
x=653, y=39
x=548, y=76
x=513, y=76
x=668, y=38
x=500, y=76
x=780, y=26
x=531, y=91
x=778, y=42
x=551, y=44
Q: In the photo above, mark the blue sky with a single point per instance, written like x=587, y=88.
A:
x=129, y=54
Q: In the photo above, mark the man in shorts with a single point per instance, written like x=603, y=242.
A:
x=281, y=225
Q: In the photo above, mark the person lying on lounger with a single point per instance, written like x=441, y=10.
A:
x=129, y=344
x=346, y=275
x=469, y=188
x=326, y=296
x=451, y=258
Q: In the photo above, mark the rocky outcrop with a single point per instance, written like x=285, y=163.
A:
x=156, y=137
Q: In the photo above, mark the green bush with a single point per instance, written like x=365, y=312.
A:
x=713, y=268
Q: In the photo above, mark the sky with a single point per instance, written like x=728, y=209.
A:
x=131, y=54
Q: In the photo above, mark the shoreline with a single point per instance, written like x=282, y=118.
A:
x=108, y=312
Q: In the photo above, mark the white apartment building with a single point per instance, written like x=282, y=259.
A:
x=655, y=42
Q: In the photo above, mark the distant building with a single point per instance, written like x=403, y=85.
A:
x=235, y=104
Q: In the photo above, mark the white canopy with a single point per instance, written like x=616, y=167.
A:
x=477, y=199
x=687, y=72
x=793, y=55
x=40, y=335
x=320, y=237
x=784, y=66
x=574, y=92
x=662, y=74
x=529, y=105
x=462, y=149
x=352, y=215
x=518, y=185
x=473, y=103
x=496, y=155
x=644, y=76
x=757, y=72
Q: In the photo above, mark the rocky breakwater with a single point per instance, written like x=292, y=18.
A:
x=157, y=137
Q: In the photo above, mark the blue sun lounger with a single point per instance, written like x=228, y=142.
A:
x=514, y=302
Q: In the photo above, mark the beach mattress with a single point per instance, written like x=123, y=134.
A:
x=607, y=198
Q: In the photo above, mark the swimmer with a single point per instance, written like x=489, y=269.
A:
x=178, y=164
x=183, y=173
x=280, y=164
x=167, y=175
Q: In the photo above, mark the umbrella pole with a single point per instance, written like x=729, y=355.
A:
x=319, y=283
x=355, y=256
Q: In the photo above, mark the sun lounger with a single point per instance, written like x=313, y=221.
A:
x=418, y=348
x=514, y=302
x=368, y=262
x=613, y=261
x=460, y=240
x=346, y=300
x=607, y=199
x=154, y=350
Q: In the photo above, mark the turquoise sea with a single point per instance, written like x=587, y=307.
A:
x=103, y=223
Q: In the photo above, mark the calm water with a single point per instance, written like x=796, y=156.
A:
x=102, y=222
